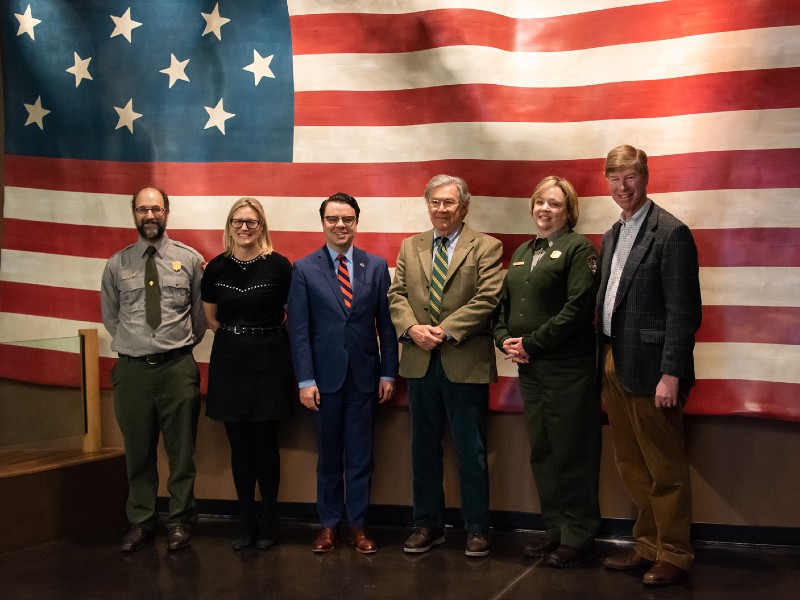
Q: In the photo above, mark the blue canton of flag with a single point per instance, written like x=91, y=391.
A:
x=161, y=80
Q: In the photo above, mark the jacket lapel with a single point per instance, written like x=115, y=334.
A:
x=357, y=271
x=466, y=241
x=425, y=253
x=325, y=265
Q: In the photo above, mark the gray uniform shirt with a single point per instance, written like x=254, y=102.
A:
x=122, y=299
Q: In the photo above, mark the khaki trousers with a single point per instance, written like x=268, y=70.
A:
x=650, y=453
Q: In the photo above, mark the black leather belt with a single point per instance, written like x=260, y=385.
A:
x=607, y=339
x=246, y=329
x=155, y=359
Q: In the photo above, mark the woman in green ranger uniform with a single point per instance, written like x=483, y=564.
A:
x=544, y=324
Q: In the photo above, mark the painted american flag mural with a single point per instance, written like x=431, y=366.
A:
x=293, y=101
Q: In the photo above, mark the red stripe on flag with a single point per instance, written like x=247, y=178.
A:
x=739, y=169
x=410, y=32
x=716, y=92
x=45, y=367
x=750, y=324
x=763, y=399
x=48, y=301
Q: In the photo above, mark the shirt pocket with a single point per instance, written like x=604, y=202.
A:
x=131, y=293
x=175, y=292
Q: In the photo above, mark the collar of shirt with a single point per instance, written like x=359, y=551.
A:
x=335, y=254
x=554, y=237
x=638, y=217
x=160, y=245
x=451, y=240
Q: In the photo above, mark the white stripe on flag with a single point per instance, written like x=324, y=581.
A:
x=778, y=47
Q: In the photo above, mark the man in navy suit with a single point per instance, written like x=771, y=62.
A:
x=337, y=302
x=649, y=310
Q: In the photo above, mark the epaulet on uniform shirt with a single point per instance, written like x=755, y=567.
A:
x=187, y=247
x=128, y=247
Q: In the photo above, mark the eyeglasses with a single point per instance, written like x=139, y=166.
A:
x=334, y=220
x=249, y=223
x=143, y=210
x=447, y=202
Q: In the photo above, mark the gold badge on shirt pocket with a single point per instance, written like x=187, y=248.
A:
x=176, y=265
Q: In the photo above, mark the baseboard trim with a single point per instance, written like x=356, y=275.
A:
x=401, y=516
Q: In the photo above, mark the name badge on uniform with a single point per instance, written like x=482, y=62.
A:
x=518, y=264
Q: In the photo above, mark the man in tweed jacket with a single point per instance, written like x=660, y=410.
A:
x=648, y=312
x=449, y=361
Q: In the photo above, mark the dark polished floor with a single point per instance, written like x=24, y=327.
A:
x=92, y=567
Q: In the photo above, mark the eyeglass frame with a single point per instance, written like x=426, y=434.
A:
x=156, y=210
x=447, y=203
x=246, y=223
x=347, y=221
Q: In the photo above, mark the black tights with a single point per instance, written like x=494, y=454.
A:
x=255, y=457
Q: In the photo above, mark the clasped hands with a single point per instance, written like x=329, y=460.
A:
x=427, y=337
x=514, y=351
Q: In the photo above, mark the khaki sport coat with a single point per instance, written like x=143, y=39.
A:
x=471, y=294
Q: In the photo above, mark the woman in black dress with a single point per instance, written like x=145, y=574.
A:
x=250, y=381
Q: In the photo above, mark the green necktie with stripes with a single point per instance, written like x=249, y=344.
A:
x=438, y=277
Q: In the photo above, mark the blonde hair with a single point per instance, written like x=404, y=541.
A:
x=625, y=156
x=264, y=240
x=570, y=195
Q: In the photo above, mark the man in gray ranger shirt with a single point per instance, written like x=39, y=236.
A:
x=150, y=296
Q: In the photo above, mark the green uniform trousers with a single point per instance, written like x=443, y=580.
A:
x=150, y=400
x=563, y=417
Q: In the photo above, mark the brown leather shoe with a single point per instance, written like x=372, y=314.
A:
x=362, y=541
x=178, y=538
x=565, y=556
x=477, y=545
x=627, y=561
x=136, y=538
x=326, y=540
x=539, y=548
x=662, y=573
x=423, y=539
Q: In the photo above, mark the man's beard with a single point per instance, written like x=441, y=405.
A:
x=149, y=232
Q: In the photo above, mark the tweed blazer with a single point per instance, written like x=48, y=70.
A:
x=471, y=293
x=658, y=309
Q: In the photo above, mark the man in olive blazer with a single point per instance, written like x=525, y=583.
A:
x=450, y=363
x=649, y=310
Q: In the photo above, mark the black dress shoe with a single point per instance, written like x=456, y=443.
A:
x=179, y=537
x=136, y=538
x=540, y=548
x=565, y=556
x=267, y=533
x=244, y=537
